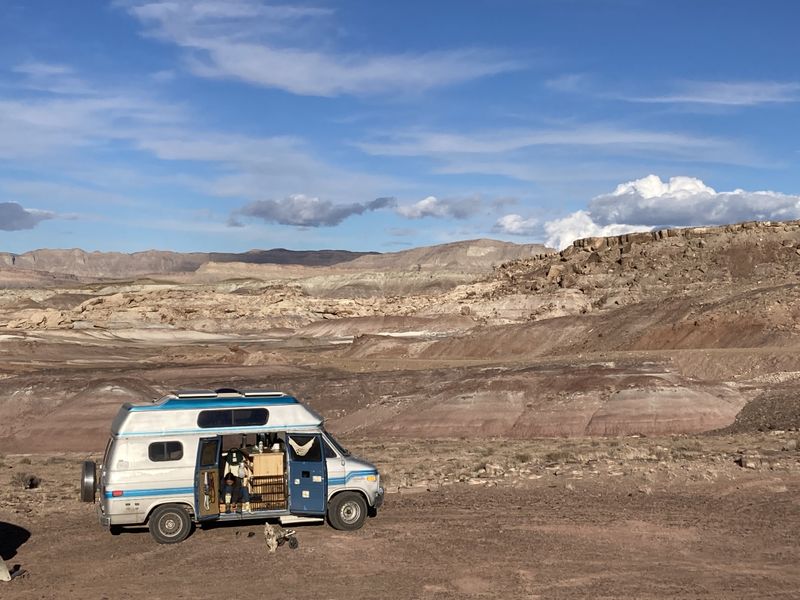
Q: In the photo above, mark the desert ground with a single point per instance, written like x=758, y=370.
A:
x=619, y=419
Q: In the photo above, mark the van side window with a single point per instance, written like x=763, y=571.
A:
x=162, y=451
x=305, y=448
x=211, y=419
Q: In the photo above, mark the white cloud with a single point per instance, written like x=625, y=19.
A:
x=728, y=93
x=455, y=208
x=516, y=225
x=278, y=47
x=650, y=203
x=685, y=201
x=562, y=232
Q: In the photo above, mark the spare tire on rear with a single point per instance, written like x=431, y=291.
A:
x=88, y=481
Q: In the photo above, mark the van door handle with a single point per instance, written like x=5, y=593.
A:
x=306, y=474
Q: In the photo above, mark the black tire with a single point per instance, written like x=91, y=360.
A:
x=347, y=511
x=88, y=481
x=170, y=524
x=115, y=529
x=293, y=543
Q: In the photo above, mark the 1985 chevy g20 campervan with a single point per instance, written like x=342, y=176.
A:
x=165, y=463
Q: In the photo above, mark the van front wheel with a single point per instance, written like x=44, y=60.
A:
x=347, y=511
x=169, y=524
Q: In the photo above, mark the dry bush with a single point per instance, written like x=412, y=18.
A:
x=522, y=457
x=561, y=456
x=27, y=481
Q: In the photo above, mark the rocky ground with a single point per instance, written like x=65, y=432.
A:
x=711, y=516
x=620, y=419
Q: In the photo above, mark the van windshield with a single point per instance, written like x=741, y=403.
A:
x=341, y=449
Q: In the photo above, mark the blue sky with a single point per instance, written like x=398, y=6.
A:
x=211, y=125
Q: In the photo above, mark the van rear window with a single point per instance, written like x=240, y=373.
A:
x=162, y=451
x=236, y=417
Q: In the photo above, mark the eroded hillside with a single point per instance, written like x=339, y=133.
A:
x=666, y=332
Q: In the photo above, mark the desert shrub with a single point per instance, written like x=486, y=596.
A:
x=27, y=481
x=522, y=457
x=24, y=460
x=559, y=456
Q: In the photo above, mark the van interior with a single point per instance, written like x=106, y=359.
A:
x=265, y=453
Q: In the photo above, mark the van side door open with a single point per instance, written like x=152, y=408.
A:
x=207, y=484
x=308, y=477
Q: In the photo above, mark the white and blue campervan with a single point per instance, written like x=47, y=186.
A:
x=165, y=462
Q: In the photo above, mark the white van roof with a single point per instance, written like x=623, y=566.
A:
x=178, y=413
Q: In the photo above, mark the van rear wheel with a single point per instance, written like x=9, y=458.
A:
x=347, y=511
x=169, y=524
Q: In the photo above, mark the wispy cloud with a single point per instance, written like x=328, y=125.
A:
x=73, y=131
x=558, y=153
x=428, y=143
x=724, y=93
x=713, y=93
x=253, y=42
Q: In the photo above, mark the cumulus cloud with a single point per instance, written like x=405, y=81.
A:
x=649, y=203
x=516, y=225
x=453, y=208
x=306, y=211
x=685, y=201
x=13, y=217
x=562, y=232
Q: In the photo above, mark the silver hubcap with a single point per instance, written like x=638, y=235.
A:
x=350, y=512
x=170, y=525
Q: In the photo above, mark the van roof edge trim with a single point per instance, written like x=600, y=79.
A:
x=195, y=394
x=226, y=394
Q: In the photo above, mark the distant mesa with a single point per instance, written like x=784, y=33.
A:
x=80, y=263
x=468, y=256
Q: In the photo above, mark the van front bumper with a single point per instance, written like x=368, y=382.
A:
x=378, y=499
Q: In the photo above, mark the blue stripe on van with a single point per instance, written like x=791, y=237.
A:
x=351, y=475
x=184, y=403
x=154, y=492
